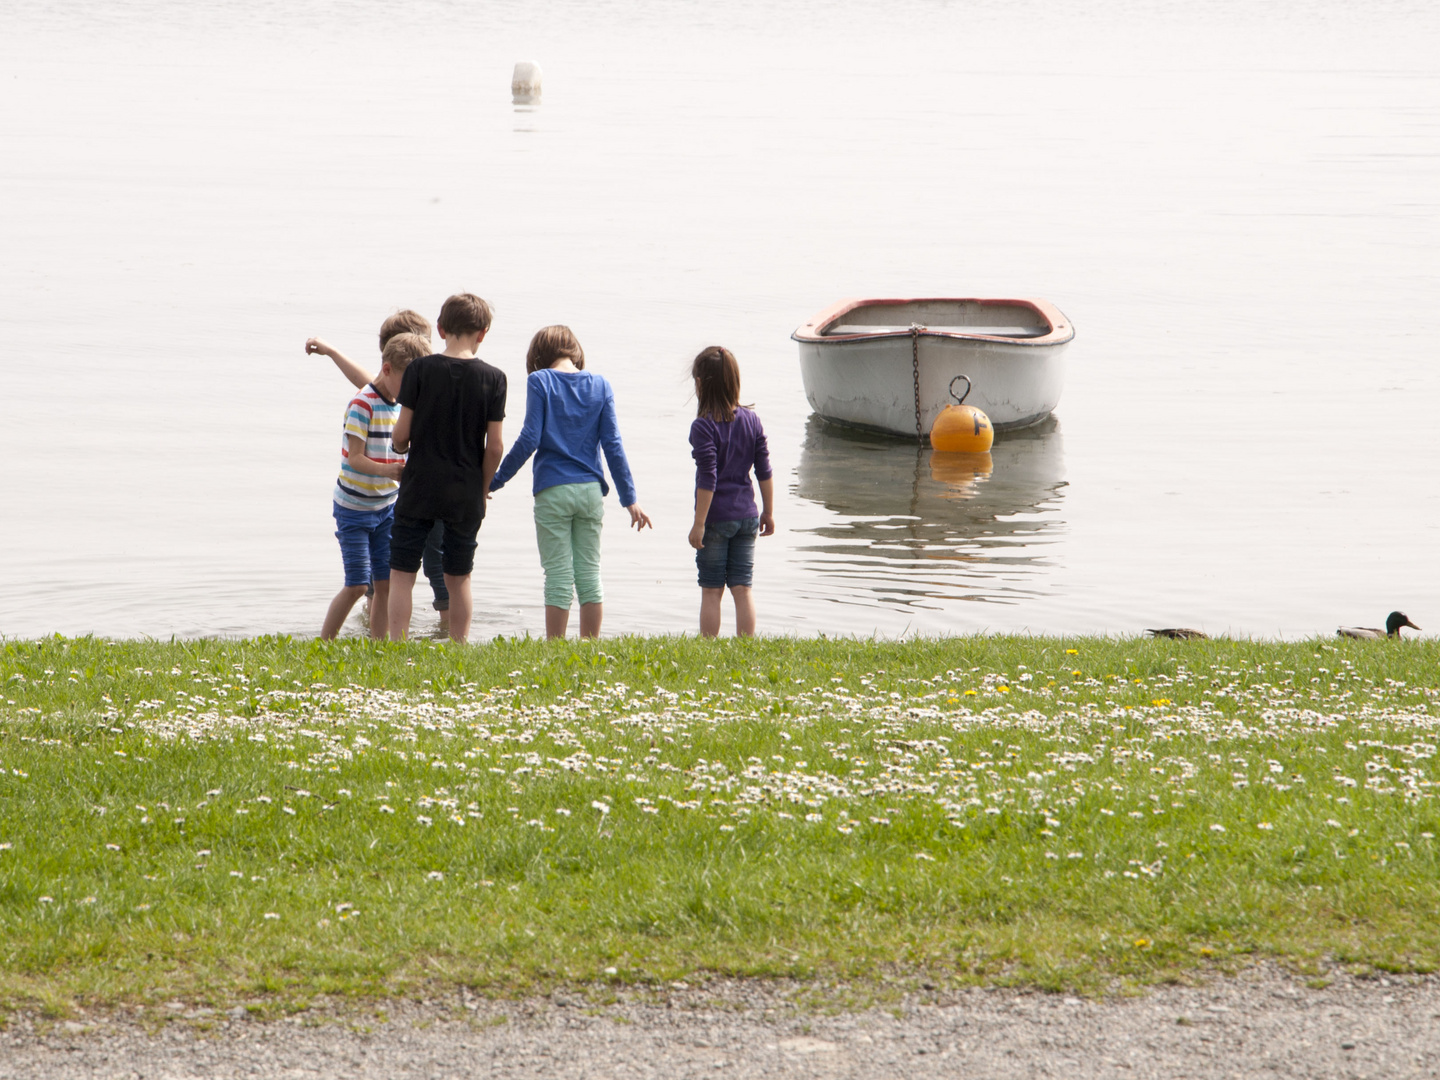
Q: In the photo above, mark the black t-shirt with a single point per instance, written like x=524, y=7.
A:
x=452, y=401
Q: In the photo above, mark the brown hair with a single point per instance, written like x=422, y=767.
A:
x=402, y=348
x=464, y=313
x=404, y=322
x=553, y=343
x=717, y=383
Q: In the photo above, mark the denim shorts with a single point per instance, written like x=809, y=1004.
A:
x=728, y=557
x=457, y=555
x=433, y=568
x=364, y=537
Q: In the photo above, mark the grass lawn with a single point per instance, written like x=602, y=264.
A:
x=274, y=819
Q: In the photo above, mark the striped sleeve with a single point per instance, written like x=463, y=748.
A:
x=357, y=419
x=371, y=419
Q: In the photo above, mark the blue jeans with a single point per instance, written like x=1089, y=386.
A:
x=433, y=569
x=364, y=537
x=728, y=557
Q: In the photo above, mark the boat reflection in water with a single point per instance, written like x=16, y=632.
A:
x=914, y=527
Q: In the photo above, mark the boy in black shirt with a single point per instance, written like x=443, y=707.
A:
x=451, y=408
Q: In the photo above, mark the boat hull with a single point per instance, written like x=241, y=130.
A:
x=868, y=380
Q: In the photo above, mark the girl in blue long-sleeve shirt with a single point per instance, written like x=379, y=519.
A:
x=569, y=420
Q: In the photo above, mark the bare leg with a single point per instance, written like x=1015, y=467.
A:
x=340, y=610
x=380, y=611
x=710, y=611
x=445, y=621
x=462, y=610
x=401, y=586
x=744, y=610
x=591, y=616
x=557, y=620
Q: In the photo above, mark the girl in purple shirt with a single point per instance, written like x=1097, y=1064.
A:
x=726, y=440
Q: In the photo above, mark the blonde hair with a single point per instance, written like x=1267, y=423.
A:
x=404, y=322
x=717, y=383
x=402, y=348
x=552, y=343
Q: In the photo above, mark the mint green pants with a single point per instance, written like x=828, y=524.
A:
x=568, y=519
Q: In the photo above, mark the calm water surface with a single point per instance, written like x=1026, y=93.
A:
x=1238, y=208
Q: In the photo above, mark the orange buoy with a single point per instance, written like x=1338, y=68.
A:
x=962, y=428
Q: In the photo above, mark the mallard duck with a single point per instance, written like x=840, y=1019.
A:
x=1179, y=633
x=1396, y=620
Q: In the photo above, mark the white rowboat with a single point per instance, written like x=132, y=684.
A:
x=887, y=365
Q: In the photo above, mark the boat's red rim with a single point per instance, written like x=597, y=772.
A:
x=1060, y=329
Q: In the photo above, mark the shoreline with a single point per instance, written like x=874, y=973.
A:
x=1320, y=638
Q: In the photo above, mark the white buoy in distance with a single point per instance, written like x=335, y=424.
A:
x=525, y=83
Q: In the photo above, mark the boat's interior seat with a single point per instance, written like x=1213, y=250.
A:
x=840, y=329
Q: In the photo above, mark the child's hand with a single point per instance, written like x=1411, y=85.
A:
x=767, y=525
x=639, y=518
x=318, y=345
x=393, y=470
x=697, y=535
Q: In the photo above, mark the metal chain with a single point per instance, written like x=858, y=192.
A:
x=915, y=329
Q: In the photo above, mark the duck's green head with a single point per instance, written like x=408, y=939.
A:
x=1396, y=620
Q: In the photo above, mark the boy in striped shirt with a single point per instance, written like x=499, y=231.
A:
x=367, y=486
x=404, y=321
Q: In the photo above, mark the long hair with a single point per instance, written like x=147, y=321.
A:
x=553, y=343
x=717, y=383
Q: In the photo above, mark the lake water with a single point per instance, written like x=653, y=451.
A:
x=1237, y=206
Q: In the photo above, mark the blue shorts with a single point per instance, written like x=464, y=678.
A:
x=728, y=557
x=364, y=537
x=431, y=563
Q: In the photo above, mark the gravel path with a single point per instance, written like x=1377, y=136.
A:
x=1262, y=1024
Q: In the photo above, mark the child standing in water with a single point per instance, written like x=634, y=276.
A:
x=401, y=322
x=452, y=411
x=365, y=491
x=726, y=440
x=569, y=419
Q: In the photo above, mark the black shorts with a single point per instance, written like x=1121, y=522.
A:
x=407, y=544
